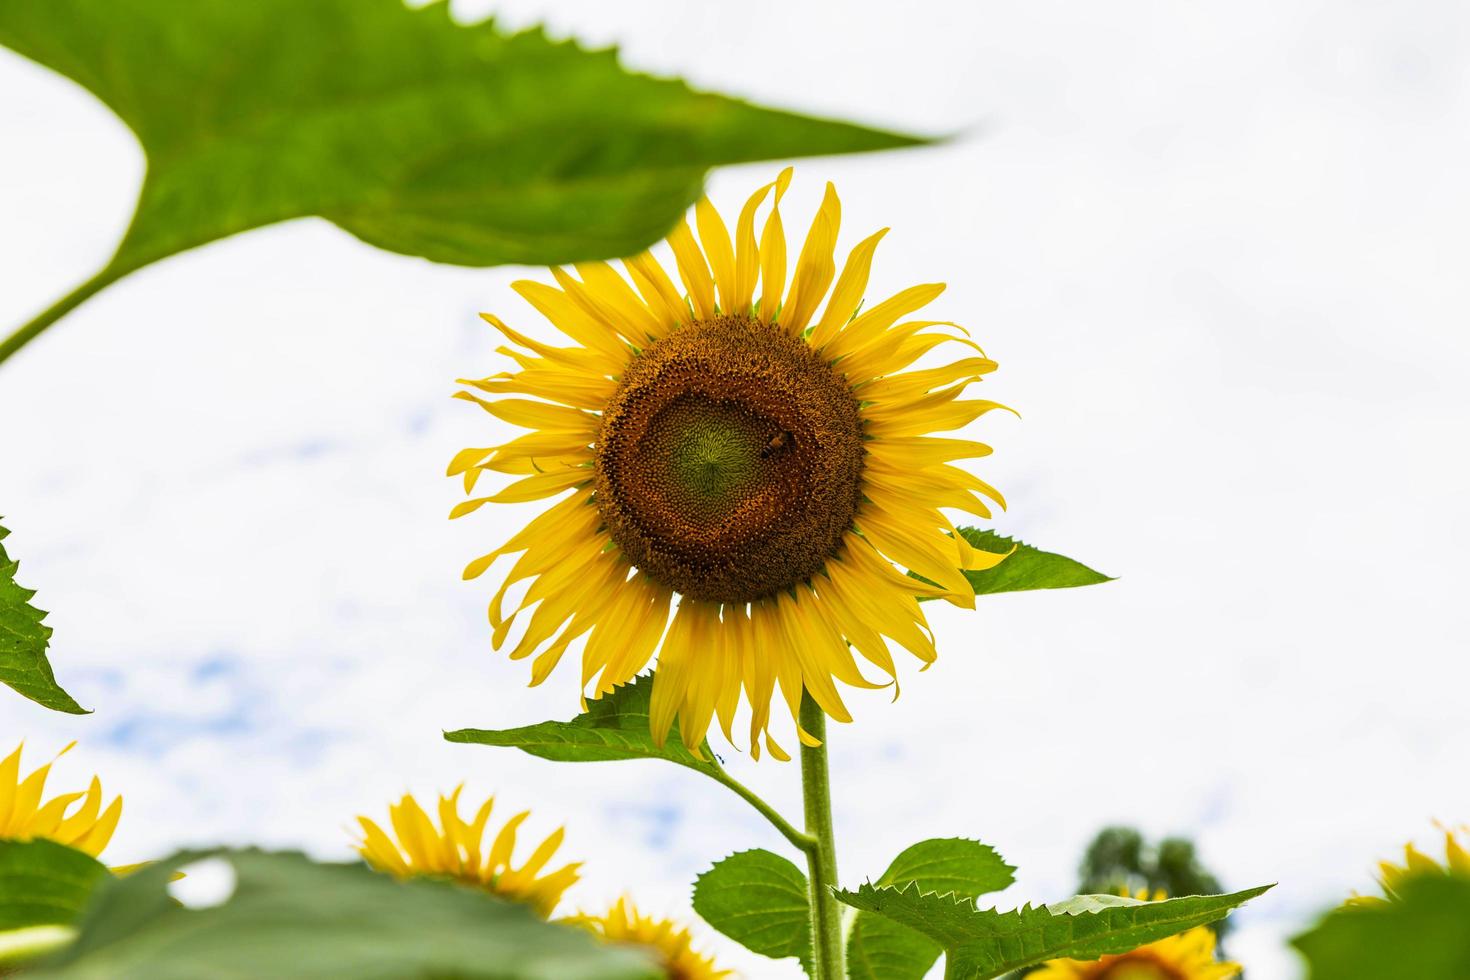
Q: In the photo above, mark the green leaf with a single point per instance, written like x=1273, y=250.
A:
x=1027, y=568
x=1424, y=934
x=882, y=949
x=43, y=888
x=950, y=865
x=417, y=134
x=981, y=944
x=290, y=917
x=23, y=642
x=613, y=727
x=43, y=883
x=758, y=899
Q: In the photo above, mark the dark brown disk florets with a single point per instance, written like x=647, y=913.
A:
x=730, y=460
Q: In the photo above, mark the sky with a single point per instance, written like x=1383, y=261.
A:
x=1218, y=250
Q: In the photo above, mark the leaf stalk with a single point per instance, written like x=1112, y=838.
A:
x=59, y=309
x=803, y=842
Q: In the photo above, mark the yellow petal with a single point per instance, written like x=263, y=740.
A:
x=657, y=290
x=587, y=360
x=505, y=841
x=9, y=781
x=814, y=266
x=671, y=679
x=693, y=270
x=716, y=240
x=870, y=325
x=76, y=826
x=379, y=850
x=848, y=292
x=615, y=299
x=572, y=320
x=96, y=838
x=747, y=255
x=773, y=254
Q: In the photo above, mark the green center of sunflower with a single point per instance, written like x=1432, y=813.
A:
x=729, y=463
x=713, y=451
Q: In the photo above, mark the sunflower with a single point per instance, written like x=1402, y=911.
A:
x=453, y=850
x=23, y=816
x=1187, y=956
x=672, y=943
x=1416, y=864
x=769, y=465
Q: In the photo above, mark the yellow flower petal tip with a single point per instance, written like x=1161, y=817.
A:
x=1416, y=864
x=76, y=819
x=1190, y=955
x=742, y=468
x=670, y=943
x=414, y=845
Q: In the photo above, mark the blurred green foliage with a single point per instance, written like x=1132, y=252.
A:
x=287, y=916
x=1119, y=859
x=43, y=888
x=1423, y=935
x=418, y=134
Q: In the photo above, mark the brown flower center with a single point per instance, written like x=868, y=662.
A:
x=730, y=460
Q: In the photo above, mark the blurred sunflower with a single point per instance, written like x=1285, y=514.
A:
x=671, y=943
x=1187, y=956
x=1416, y=863
x=769, y=465
x=23, y=815
x=454, y=850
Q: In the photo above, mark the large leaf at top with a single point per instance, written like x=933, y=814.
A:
x=983, y=943
x=1027, y=567
x=879, y=948
x=43, y=888
x=23, y=642
x=758, y=899
x=613, y=727
x=1423, y=934
x=456, y=142
x=290, y=917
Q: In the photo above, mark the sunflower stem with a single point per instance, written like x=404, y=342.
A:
x=59, y=309
x=821, y=861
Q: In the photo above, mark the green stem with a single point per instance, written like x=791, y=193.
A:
x=816, y=794
x=59, y=309
x=802, y=842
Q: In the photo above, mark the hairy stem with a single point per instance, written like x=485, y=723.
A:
x=816, y=793
x=59, y=309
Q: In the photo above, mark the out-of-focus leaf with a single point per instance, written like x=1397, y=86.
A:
x=456, y=142
x=290, y=917
x=23, y=642
x=43, y=888
x=1424, y=935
